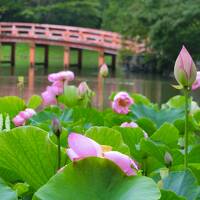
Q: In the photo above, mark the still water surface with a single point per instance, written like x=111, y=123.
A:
x=155, y=87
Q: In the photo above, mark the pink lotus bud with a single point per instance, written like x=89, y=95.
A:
x=121, y=103
x=18, y=120
x=168, y=159
x=196, y=84
x=104, y=70
x=56, y=126
x=185, y=69
x=83, y=89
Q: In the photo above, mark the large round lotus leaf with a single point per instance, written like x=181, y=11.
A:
x=167, y=195
x=183, y=183
x=28, y=152
x=97, y=179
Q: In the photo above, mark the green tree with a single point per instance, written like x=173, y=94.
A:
x=168, y=24
x=85, y=13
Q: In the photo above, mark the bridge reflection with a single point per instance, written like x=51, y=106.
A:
x=35, y=82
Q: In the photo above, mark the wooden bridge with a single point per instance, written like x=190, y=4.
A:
x=44, y=35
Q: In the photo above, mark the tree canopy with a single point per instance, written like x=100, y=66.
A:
x=168, y=24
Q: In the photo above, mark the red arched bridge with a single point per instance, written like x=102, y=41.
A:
x=69, y=37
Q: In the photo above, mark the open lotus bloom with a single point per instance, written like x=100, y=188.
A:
x=21, y=118
x=185, y=69
x=81, y=147
x=61, y=76
x=49, y=98
x=58, y=80
x=196, y=84
x=121, y=103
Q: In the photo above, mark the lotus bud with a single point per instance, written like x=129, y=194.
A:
x=82, y=89
x=185, y=69
x=104, y=70
x=168, y=159
x=56, y=126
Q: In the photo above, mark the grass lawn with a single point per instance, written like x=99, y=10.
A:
x=90, y=58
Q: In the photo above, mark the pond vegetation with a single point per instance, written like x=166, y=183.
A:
x=58, y=146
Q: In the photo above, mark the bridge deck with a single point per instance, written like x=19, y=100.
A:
x=75, y=37
x=66, y=36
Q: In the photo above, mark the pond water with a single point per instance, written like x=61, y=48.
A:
x=155, y=87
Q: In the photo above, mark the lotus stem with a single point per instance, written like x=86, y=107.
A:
x=59, y=150
x=186, y=94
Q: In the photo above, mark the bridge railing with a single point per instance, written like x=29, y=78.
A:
x=61, y=33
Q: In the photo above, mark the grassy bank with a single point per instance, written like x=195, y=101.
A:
x=90, y=58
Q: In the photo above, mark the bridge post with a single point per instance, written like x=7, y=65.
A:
x=101, y=59
x=66, y=57
x=46, y=56
x=80, y=58
x=32, y=55
x=12, y=55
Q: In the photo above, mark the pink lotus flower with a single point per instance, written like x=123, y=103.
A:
x=30, y=111
x=58, y=80
x=196, y=84
x=185, y=69
x=61, y=76
x=132, y=125
x=122, y=102
x=57, y=87
x=103, y=70
x=123, y=161
x=21, y=118
x=27, y=114
x=82, y=147
x=49, y=98
x=18, y=120
x=24, y=115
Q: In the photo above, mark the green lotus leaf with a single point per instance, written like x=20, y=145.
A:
x=28, y=152
x=97, y=179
